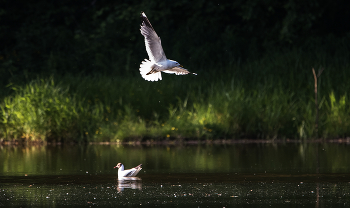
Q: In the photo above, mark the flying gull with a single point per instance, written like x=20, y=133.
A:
x=127, y=174
x=151, y=69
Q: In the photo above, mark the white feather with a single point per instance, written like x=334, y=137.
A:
x=145, y=67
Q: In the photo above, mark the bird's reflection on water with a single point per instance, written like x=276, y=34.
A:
x=129, y=183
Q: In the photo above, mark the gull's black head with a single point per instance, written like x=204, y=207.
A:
x=118, y=165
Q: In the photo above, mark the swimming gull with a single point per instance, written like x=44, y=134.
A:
x=127, y=174
x=151, y=69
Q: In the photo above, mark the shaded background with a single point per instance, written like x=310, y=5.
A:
x=102, y=36
x=69, y=70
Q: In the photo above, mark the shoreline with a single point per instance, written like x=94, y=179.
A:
x=182, y=142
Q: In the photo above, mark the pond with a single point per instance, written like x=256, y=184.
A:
x=245, y=175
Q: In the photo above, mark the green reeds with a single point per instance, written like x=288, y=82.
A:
x=45, y=111
x=269, y=98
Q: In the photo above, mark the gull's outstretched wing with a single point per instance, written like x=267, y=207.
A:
x=152, y=41
x=178, y=71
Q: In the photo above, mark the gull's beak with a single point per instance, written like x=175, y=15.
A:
x=181, y=66
x=115, y=166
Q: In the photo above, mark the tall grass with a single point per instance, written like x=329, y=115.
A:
x=268, y=98
x=44, y=110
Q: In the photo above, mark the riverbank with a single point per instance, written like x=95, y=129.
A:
x=182, y=142
x=275, y=102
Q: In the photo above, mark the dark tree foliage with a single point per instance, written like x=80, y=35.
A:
x=84, y=37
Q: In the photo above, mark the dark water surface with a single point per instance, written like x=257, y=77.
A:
x=243, y=175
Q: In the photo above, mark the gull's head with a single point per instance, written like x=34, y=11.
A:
x=118, y=165
x=175, y=63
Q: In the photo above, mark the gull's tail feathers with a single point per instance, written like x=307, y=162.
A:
x=145, y=68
